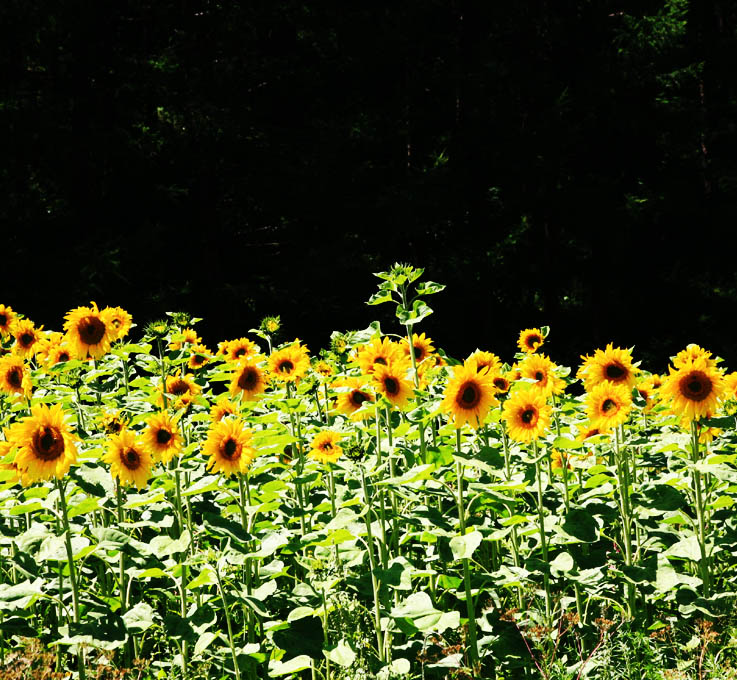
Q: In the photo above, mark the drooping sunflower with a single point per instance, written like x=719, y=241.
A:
x=89, y=331
x=250, y=379
x=612, y=364
x=45, y=446
x=422, y=345
x=325, y=447
x=694, y=390
x=199, y=357
x=162, y=438
x=27, y=337
x=527, y=415
x=468, y=396
x=14, y=376
x=7, y=317
x=290, y=363
x=120, y=320
x=391, y=382
x=541, y=369
x=183, y=387
x=187, y=336
x=129, y=460
x=530, y=340
x=228, y=446
x=608, y=405
x=485, y=361
x=221, y=408
x=378, y=352
x=241, y=348
x=352, y=395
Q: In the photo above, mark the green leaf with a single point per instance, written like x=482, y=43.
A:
x=295, y=665
x=204, y=641
x=413, y=316
x=342, y=654
x=686, y=548
x=163, y=546
x=380, y=297
x=463, y=547
x=581, y=525
x=139, y=618
x=429, y=288
x=562, y=564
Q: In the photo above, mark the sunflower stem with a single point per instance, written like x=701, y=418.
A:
x=375, y=583
x=298, y=478
x=515, y=539
x=624, y=503
x=382, y=508
x=700, y=511
x=473, y=650
x=245, y=501
x=163, y=373
x=415, y=374
x=228, y=623
x=392, y=474
x=543, y=539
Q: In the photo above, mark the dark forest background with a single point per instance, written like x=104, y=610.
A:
x=562, y=163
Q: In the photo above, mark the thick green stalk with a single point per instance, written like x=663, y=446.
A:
x=700, y=512
x=625, y=512
x=228, y=623
x=375, y=584
x=543, y=538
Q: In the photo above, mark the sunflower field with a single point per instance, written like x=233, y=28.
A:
x=374, y=510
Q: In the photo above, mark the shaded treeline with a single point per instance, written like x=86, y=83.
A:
x=572, y=164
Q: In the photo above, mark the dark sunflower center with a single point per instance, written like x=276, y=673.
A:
x=229, y=449
x=608, y=405
x=179, y=387
x=527, y=416
x=163, y=436
x=615, y=372
x=3, y=320
x=26, y=339
x=358, y=398
x=91, y=330
x=286, y=366
x=115, y=426
x=501, y=384
x=539, y=375
x=64, y=356
x=533, y=341
x=15, y=377
x=380, y=360
x=419, y=353
x=696, y=386
x=327, y=446
x=248, y=379
x=240, y=351
x=391, y=385
x=469, y=395
x=197, y=359
x=131, y=459
x=48, y=443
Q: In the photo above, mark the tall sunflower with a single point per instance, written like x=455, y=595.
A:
x=290, y=363
x=228, y=446
x=352, y=395
x=241, y=348
x=129, y=460
x=14, y=376
x=422, y=345
x=485, y=361
x=391, y=382
x=325, y=447
x=530, y=340
x=694, y=390
x=541, y=370
x=377, y=352
x=612, y=364
x=89, y=331
x=27, y=337
x=7, y=317
x=120, y=321
x=250, y=379
x=187, y=336
x=200, y=356
x=161, y=438
x=608, y=405
x=183, y=387
x=527, y=415
x=45, y=446
x=221, y=408
x=693, y=352
x=468, y=396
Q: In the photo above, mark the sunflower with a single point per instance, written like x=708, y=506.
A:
x=27, y=337
x=270, y=324
x=161, y=438
x=694, y=390
x=730, y=386
x=541, y=369
x=57, y=353
x=45, y=446
x=183, y=387
x=7, y=317
x=290, y=363
x=199, y=357
x=120, y=321
x=530, y=340
x=113, y=422
x=14, y=377
x=587, y=431
x=242, y=348
x=249, y=379
x=18, y=475
x=422, y=345
x=187, y=336
x=391, y=382
x=501, y=383
x=129, y=461
x=322, y=368
x=89, y=331
x=223, y=407
x=468, y=396
x=612, y=364
x=556, y=460
x=527, y=415
x=608, y=405
x=228, y=445
x=325, y=447
x=691, y=354
x=378, y=352
x=648, y=390
x=487, y=361
x=352, y=395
